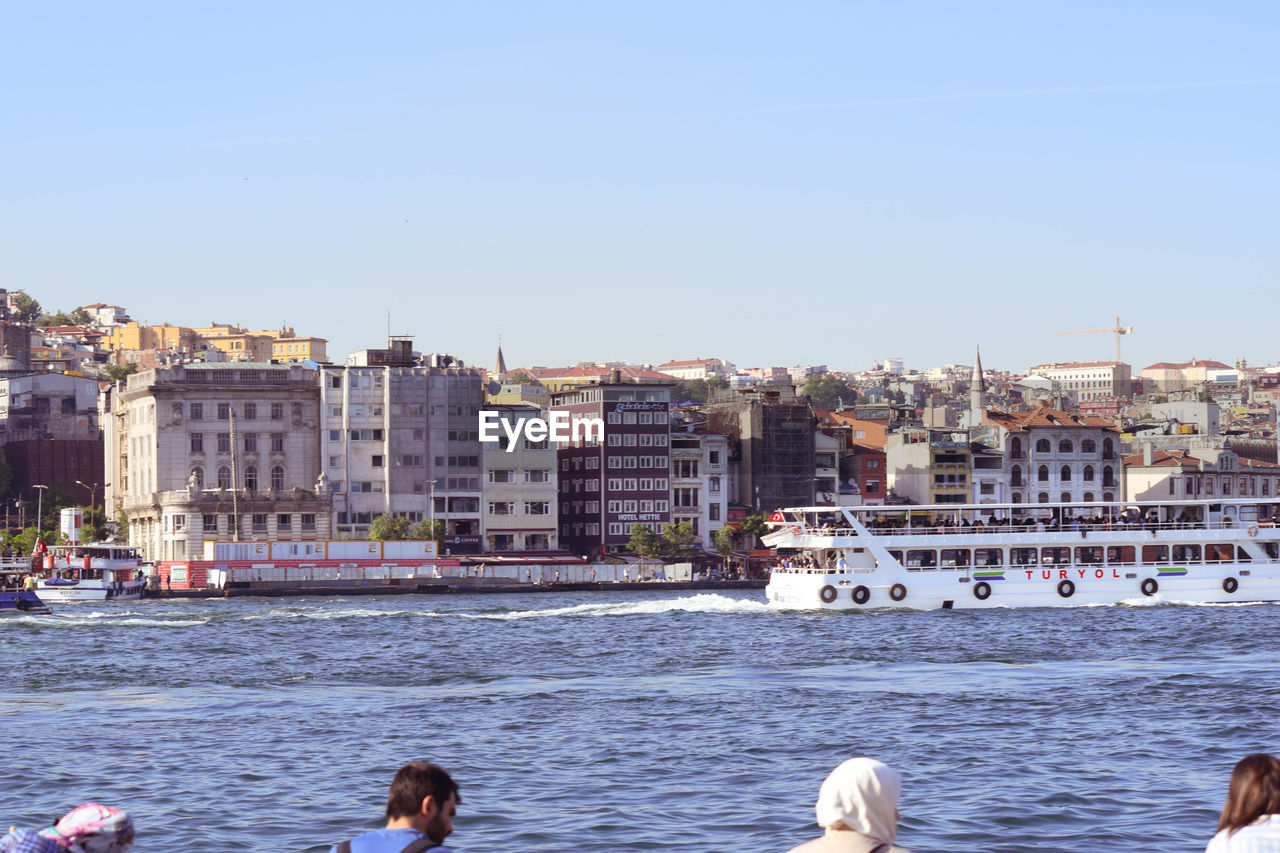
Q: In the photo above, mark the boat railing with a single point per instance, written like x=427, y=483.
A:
x=1080, y=526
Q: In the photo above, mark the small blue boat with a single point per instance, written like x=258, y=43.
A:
x=21, y=602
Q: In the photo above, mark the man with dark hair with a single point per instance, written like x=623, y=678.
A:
x=420, y=807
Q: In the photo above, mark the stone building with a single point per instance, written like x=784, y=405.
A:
x=221, y=452
x=520, y=492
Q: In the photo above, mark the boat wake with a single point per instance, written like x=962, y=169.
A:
x=701, y=603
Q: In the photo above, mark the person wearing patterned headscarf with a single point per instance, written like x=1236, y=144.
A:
x=90, y=828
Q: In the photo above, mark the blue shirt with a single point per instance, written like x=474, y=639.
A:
x=387, y=841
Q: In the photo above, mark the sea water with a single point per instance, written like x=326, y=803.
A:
x=633, y=720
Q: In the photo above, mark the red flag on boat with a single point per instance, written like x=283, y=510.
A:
x=777, y=516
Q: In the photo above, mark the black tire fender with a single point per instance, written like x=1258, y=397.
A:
x=861, y=595
x=897, y=592
x=1066, y=589
x=1230, y=585
x=1150, y=586
x=982, y=590
x=827, y=594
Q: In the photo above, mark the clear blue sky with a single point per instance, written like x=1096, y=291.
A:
x=770, y=183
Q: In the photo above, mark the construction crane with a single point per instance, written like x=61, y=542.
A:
x=1117, y=330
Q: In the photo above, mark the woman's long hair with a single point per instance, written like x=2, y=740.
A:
x=1254, y=791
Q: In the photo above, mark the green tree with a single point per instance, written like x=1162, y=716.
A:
x=644, y=541
x=122, y=523
x=95, y=526
x=699, y=391
x=724, y=540
x=678, y=540
x=58, y=318
x=116, y=372
x=521, y=378
x=81, y=317
x=754, y=526
x=26, y=310
x=427, y=530
x=26, y=540
x=828, y=392
x=389, y=527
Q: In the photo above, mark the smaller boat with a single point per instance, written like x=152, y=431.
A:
x=96, y=572
x=14, y=600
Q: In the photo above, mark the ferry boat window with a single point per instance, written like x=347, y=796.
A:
x=1023, y=557
x=897, y=555
x=922, y=559
x=955, y=558
x=1089, y=555
x=1155, y=553
x=1055, y=556
x=1217, y=553
x=1186, y=553
x=1120, y=555
x=987, y=557
x=1272, y=549
x=1242, y=556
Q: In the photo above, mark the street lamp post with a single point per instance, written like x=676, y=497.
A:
x=93, y=490
x=40, y=511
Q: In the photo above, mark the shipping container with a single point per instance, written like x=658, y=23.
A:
x=416, y=548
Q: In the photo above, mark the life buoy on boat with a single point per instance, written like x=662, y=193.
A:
x=861, y=595
x=1066, y=589
x=21, y=603
x=827, y=594
x=1252, y=531
x=897, y=592
x=982, y=590
x=1230, y=585
x=1150, y=586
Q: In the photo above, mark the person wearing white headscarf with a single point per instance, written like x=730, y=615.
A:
x=858, y=809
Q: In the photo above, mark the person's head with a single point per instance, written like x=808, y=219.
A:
x=424, y=796
x=93, y=828
x=1254, y=791
x=861, y=794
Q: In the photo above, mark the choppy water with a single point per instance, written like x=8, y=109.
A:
x=602, y=722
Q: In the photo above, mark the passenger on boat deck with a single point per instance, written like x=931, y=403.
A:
x=90, y=828
x=1250, y=821
x=858, y=809
x=420, y=807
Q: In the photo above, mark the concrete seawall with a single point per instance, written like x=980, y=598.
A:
x=445, y=586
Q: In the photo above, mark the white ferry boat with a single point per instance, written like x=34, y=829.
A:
x=1018, y=555
x=99, y=572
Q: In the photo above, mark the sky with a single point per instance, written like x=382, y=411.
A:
x=773, y=184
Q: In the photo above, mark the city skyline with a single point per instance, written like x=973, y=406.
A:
x=833, y=185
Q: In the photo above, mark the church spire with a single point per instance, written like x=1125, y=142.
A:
x=499, y=364
x=977, y=390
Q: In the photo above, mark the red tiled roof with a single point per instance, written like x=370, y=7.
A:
x=1043, y=416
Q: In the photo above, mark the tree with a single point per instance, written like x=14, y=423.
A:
x=26, y=310
x=754, y=526
x=389, y=527
x=521, y=378
x=644, y=541
x=122, y=523
x=81, y=317
x=699, y=391
x=724, y=540
x=95, y=526
x=427, y=530
x=828, y=392
x=116, y=372
x=678, y=540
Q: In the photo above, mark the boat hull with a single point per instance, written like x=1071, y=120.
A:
x=21, y=603
x=88, y=591
x=1075, y=587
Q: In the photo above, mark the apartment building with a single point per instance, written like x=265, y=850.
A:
x=608, y=486
x=222, y=452
x=398, y=438
x=1089, y=379
x=1052, y=456
x=520, y=487
x=700, y=481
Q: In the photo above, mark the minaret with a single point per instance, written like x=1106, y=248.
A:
x=499, y=364
x=977, y=391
